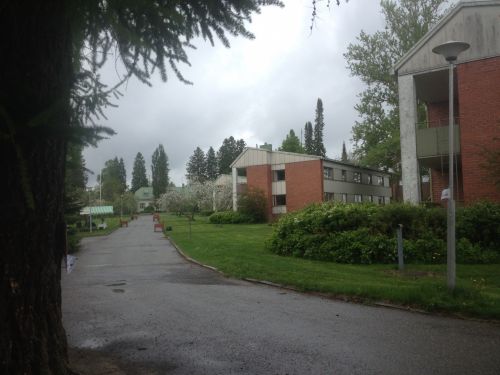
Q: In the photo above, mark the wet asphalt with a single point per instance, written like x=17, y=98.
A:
x=132, y=297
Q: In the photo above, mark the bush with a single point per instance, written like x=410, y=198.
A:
x=229, y=217
x=253, y=203
x=148, y=210
x=365, y=233
x=480, y=224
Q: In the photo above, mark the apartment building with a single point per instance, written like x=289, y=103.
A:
x=292, y=181
x=423, y=78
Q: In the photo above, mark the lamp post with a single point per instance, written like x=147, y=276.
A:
x=450, y=51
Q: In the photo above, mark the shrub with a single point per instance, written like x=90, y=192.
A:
x=229, y=217
x=365, y=233
x=253, y=203
x=148, y=210
x=480, y=224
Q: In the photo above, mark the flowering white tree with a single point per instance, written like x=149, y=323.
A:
x=197, y=196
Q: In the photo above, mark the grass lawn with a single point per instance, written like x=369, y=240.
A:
x=112, y=222
x=239, y=251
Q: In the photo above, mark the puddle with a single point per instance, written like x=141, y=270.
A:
x=116, y=284
x=118, y=290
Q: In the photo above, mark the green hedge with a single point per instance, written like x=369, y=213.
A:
x=365, y=233
x=230, y=217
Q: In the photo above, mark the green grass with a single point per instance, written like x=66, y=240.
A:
x=113, y=224
x=239, y=251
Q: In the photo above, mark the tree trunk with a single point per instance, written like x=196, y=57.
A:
x=35, y=79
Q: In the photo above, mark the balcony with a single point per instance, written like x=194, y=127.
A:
x=432, y=143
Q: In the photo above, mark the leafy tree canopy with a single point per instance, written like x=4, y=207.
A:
x=159, y=171
x=376, y=135
x=291, y=143
x=197, y=167
x=139, y=178
x=228, y=152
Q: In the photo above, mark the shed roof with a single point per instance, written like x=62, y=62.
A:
x=97, y=210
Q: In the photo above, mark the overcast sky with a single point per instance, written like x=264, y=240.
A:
x=257, y=90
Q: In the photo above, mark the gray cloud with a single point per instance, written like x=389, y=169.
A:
x=257, y=90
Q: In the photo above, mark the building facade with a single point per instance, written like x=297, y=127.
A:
x=292, y=181
x=144, y=198
x=423, y=78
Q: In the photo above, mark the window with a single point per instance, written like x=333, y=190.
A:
x=241, y=172
x=370, y=198
x=279, y=175
x=328, y=173
x=369, y=180
x=142, y=205
x=380, y=200
x=343, y=176
x=327, y=197
x=380, y=181
x=357, y=177
x=358, y=198
x=279, y=200
x=344, y=197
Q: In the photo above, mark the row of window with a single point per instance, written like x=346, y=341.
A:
x=280, y=199
x=357, y=198
x=357, y=177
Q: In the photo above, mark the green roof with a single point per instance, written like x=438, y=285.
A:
x=144, y=193
x=97, y=210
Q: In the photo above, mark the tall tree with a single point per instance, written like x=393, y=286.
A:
x=229, y=151
x=75, y=179
x=123, y=175
x=319, y=125
x=344, y=156
x=139, y=178
x=50, y=93
x=211, y=161
x=376, y=135
x=111, y=178
x=196, y=169
x=159, y=171
x=308, y=139
x=291, y=143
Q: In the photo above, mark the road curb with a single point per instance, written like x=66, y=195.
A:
x=333, y=297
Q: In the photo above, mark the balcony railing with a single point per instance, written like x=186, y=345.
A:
x=432, y=139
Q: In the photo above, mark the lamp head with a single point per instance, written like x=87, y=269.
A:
x=450, y=50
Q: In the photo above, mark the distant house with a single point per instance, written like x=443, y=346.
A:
x=292, y=181
x=144, y=198
x=423, y=78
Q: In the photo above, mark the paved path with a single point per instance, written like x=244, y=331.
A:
x=134, y=298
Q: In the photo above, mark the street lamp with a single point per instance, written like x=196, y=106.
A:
x=450, y=51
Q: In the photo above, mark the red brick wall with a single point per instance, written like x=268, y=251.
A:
x=304, y=184
x=479, y=95
x=259, y=176
x=437, y=114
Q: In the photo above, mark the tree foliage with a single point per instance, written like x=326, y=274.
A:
x=75, y=179
x=344, y=156
x=196, y=169
x=112, y=179
x=308, y=138
x=228, y=152
x=139, y=178
x=376, y=135
x=159, y=171
x=319, y=126
x=291, y=143
x=211, y=161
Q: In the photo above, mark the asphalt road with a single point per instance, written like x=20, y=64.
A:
x=133, y=298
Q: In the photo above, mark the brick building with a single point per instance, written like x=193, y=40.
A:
x=423, y=78
x=292, y=181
